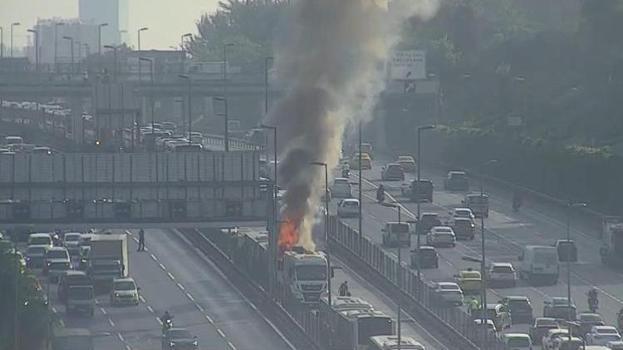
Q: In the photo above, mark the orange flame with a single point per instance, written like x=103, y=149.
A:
x=288, y=235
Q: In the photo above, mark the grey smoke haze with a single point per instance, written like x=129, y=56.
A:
x=331, y=63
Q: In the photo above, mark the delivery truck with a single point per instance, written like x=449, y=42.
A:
x=108, y=258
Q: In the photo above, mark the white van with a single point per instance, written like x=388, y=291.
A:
x=539, y=263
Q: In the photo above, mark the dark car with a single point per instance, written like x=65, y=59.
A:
x=558, y=307
x=520, y=308
x=428, y=257
x=586, y=321
x=69, y=279
x=567, y=250
x=392, y=172
x=464, y=228
x=427, y=221
x=421, y=193
x=539, y=328
x=179, y=339
x=456, y=181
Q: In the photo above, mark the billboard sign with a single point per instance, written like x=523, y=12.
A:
x=407, y=65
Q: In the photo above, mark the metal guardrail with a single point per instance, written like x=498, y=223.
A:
x=306, y=331
x=217, y=142
x=450, y=323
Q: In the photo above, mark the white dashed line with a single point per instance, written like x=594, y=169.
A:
x=127, y=347
x=209, y=319
x=54, y=309
x=120, y=336
x=171, y=276
x=140, y=297
x=190, y=297
x=103, y=310
x=150, y=309
x=162, y=267
x=159, y=320
x=200, y=308
x=180, y=286
x=153, y=257
x=220, y=332
x=231, y=346
x=112, y=324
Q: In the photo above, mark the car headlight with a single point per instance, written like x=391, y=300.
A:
x=172, y=344
x=195, y=343
x=117, y=295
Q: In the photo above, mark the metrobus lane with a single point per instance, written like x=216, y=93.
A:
x=228, y=318
x=140, y=325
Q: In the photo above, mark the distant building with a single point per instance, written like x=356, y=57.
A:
x=84, y=36
x=113, y=12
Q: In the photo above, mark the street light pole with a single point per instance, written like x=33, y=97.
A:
x=1, y=42
x=398, y=280
x=273, y=238
x=226, y=118
x=151, y=95
x=140, y=77
x=483, y=260
x=13, y=25
x=71, y=41
x=183, y=51
x=360, y=188
x=570, y=205
x=267, y=60
x=56, y=24
x=99, y=37
x=326, y=225
x=35, y=33
x=417, y=189
x=190, y=106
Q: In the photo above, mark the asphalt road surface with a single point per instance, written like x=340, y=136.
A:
x=506, y=231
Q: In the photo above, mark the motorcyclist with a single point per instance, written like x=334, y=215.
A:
x=167, y=320
x=593, y=302
x=380, y=194
x=345, y=170
x=473, y=306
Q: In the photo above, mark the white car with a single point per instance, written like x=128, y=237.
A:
x=517, y=341
x=71, y=241
x=552, y=338
x=463, y=213
x=441, y=236
x=502, y=274
x=489, y=325
x=341, y=188
x=449, y=293
x=348, y=208
x=601, y=335
x=56, y=262
x=124, y=292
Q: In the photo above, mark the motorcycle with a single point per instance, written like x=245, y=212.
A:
x=593, y=302
x=345, y=172
x=166, y=325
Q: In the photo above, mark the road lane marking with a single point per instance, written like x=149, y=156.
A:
x=220, y=332
x=150, y=309
x=231, y=346
x=103, y=310
x=190, y=297
x=53, y=309
x=112, y=324
x=180, y=286
x=171, y=276
x=209, y=319
x=120, y=336
x=159, y=320
x=162, y=267
x=200, y=308
x=153, y=257
x=140, y=297
x=127, y=347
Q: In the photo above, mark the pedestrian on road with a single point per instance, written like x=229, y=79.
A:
x=141, y=240
x=343, y=290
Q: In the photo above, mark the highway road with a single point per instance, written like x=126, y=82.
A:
x=506, y=232
x=174, y=277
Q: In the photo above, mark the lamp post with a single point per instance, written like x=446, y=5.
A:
x=99, y=37
x=183, y=51
x=13, y=25
x=225, y=46
x=190, y=106
x=326, y=224
x=78, y=43
x=56, y=24
x=267, y=61
x=360, y=187
x=273, y=238
x=483, y=290
x=226, y=118
x=151, y=95
x=35, y=33
x=140, y=77
x=114, y=48
x=417, y=189
x=398, y=280
x=570, y=205
x=1, y=42
x=71, y=48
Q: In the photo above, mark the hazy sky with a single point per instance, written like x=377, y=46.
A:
x=166, y=19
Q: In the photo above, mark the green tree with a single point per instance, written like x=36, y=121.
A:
x=249, y=25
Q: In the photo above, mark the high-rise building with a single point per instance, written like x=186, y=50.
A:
x=113, y=12
x=52, y=45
